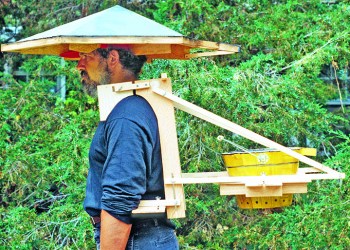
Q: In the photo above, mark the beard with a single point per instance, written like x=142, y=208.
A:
x=89, y=85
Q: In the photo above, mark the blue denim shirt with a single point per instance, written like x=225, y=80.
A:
x=125, y=160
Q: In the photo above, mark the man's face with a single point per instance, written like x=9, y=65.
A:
x=94, y=71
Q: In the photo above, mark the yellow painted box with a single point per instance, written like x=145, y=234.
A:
x=263, y=162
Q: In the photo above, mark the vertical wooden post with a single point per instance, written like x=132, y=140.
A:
x=165, y=112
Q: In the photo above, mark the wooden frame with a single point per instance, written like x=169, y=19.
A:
x=158, y=93
x=152, y=47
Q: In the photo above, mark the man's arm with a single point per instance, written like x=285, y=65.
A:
x=114, y=233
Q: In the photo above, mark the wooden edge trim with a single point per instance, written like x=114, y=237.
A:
x=131, y=86
x=19, y=45
x=240, y=189
x=273, y=179
x=212, y=53
x=155, y=206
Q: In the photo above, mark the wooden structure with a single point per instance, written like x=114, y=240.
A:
x=116, y=26
x=119, y=27
x=158, y=93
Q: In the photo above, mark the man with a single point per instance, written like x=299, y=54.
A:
x=125, y=159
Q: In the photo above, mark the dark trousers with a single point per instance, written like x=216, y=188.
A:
x=149, y=234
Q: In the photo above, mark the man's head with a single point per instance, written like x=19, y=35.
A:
x=104, y=66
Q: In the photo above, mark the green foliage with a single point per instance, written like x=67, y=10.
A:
x=44, y=145
x=274, y=89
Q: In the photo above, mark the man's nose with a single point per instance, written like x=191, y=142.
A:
x=81, y=65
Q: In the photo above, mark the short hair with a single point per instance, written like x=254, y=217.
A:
x=127, y=59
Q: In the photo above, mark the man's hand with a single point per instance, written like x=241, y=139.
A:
x=114, y=233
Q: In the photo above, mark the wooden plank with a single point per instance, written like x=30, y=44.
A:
x=126, y=86
x=89, y=40
x=107, y=99
x=46, y=50
x=151, y=49
x=149, y=210
x=308, y=170
x=84, y=48
x=211, y=45
x=294, y=188
x=212, y=53
x=235, y=128
x=200, y=44
x=240, y=189
x=165, y=112
x=264, y=191
x=325, y=176
x=198, y=178
x=229, y=47
x=232, y=189
x=205, y=174
x=154, y=206
x=262, y=182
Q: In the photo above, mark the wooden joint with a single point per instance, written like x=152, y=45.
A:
x=131, y=86
x=155, y=206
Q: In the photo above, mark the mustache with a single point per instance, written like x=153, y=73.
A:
x=84, y=73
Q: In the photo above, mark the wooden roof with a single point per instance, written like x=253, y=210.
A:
x=117, y=26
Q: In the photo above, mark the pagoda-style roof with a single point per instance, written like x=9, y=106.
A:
x=117, y=26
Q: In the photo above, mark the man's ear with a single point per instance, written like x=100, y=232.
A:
x=113, y=58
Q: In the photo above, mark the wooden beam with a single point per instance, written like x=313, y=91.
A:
x=165, y=113
x=229, y=47
x=294, y=188
x=20, y=45
x=240, y=189
x=154, y=206
x=151, y=49
x=212, y=53
x=199, y=178
x=264, y=191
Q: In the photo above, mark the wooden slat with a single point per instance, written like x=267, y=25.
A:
x=165, y=113
x=229, y=47
x=308, y=170
x=151, y=49
x=149, y=210
x=107, y=99
x=84, y=48
x=89, y=40
x=46, y=50
x=232, y=189
x=154, y=47
x=294, y=188
x=198, y=178
x=154, y=206
x=264, y=191
x=213, y=53
x=240, y=189
x=126, y=86
x=205, y=174
x=200, y=44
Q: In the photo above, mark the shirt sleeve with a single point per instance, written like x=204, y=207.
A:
x=124, y=172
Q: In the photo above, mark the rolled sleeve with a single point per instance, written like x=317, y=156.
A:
x=124, y=172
